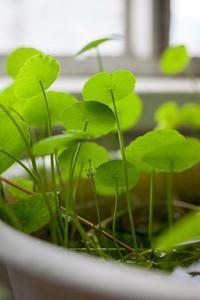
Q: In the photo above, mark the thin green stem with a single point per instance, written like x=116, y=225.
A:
x=170, y=212
x=49, y=127
x=151, y=205
x=99, y=60
x=95, y=193
x=31, y=174
x=121, y=143
x=2, y=193
x=115, y=215
x=69, y=203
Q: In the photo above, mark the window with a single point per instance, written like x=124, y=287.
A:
x=185, y=24
x=62, y=27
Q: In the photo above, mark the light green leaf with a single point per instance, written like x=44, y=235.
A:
x=35, y=109
x=111, y=172
x=32, y=212
x=167, y=115
x=142, y=145
x=24, y=183
x=38, y=68
x=98, y=116
x=97, y=154
x=58, y=142
x=11, y=140
x=129, y=111
x=8, y=98
x=190, y=115
x=175, y=157
x=16, y=59
x=95, y=44
x=99, y=86
x=174, y=60
x=185, y=230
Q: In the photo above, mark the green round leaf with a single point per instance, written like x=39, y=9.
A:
x=175, y=157
x=11, y=140
x=167, y=115
x=9, y=99
x=35, y=109
x=97, y=154
x=129, y=111
x=99, y=86
x=98, y=116
x=38, y=68
x=31, y=212
x=190, y=115
x=142, y=145
x=58, y=142
x=17, y=58
x=174, y=60
x=111, y=172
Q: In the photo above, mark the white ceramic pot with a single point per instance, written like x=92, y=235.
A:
x=38, y=270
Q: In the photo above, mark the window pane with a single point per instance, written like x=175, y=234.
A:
x=60, y=26
x=185, y=24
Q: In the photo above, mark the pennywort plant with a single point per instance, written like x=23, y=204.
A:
x=76, y=193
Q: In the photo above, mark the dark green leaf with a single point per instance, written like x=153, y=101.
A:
x=110, y=173
x=58, y=142
x=98, y=116
x=32, y=212
x=97, y=154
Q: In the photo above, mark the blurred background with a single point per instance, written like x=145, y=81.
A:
x=145, y=29
x=62, y=27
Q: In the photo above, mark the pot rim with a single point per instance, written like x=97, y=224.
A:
x=67, y=268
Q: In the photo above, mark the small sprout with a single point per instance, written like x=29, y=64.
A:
x=167, y=116
x=16, y=59
x=107, y=173
x=96, y=43
x=39, y=68
x=31, y=212
x=174, y=60
x=99, y=87
x=129, y=111
x=35, y=110
x=89, y=150
x=150, y=141
x=99, y=117
x=58, y=142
